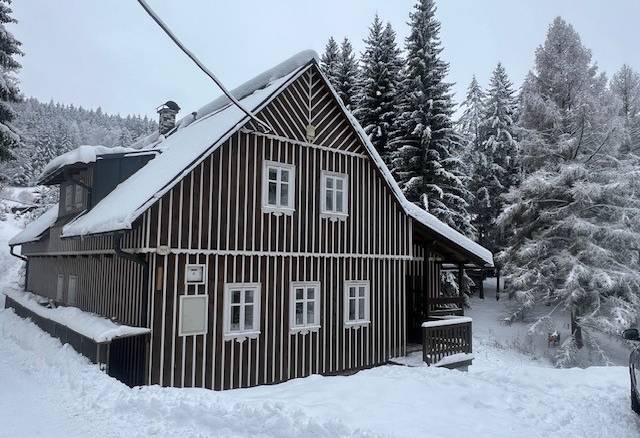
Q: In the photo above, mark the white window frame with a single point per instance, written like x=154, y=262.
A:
x=60, y=288
x=304, y=327
x=241, y=335
x=205, y=307
x=78, y=196
x=334, y=214
x=204, y=274
x=278, y=208
x=365, y=319
x=75, y=290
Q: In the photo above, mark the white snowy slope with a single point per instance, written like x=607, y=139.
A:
x=182, y=150
x=33, y=230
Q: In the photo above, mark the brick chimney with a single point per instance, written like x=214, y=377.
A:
x=167, y=112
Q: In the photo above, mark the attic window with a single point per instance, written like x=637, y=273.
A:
x=68, y=197
x=79, y=198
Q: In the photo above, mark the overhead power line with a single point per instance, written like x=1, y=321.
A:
x=202, y=67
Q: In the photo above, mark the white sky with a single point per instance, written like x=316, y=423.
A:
x=110, y=54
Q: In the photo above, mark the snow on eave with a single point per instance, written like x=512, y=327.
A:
x=84, y=154
x=417, y=213
x=224, y=121
x=90, y=325
x=35, y=229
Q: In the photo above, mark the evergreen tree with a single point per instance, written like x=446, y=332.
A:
x=347, y=75
x=426, y=147
x=9, y=92
x=329, y=61
x=495, y=167
x=472, y=113
x=378, y=90
x=625, y=85
x=574, y=221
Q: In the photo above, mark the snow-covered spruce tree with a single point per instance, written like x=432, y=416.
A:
x=574, y=221
x=9, y=92
x=495, y=163
x=347, y=75
x=472, y=113
x=378, y=88
x=426, y=147
x=329, y=61
x=625, y=84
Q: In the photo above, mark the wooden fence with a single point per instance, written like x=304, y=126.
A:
x=444, y=337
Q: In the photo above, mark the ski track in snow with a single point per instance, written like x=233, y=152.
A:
x=47, y=389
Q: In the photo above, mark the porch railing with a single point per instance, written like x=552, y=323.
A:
x=445, y=336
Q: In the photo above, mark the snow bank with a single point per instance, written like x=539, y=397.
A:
x=88, y=324
x=181, y=151
x=36, y=228
x=81, y=154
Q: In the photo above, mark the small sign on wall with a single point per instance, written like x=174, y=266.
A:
x=195, y=274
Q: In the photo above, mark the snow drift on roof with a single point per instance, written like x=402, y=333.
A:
x=36, y=228
x=181, y=150
x=81, y=154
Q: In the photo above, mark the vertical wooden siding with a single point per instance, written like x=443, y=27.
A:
x=107, y=285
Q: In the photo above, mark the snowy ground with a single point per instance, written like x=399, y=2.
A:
x=46, y=389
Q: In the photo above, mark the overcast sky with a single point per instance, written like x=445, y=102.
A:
x=110, y=54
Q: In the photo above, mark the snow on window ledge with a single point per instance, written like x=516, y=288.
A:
x=278, y=211
x=304, y=330
x=240, y=337
x=334, y=217
x=356, y=324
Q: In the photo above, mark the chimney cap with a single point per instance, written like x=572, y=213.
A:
x=170, y=104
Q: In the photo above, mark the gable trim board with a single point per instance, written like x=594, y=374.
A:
x=83, y=226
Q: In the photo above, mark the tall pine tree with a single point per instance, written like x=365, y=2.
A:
x=346, y=80
x=427, y=148
x=495, y=158
x=378, y=89
x=329, y=61
x=472, y=113
x=9, y=92
x=625, y=85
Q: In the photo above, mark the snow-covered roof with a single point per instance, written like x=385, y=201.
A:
x=182, y=150
x=35, y=229
x=200, y=133
x=92, y=326
x=82, y=154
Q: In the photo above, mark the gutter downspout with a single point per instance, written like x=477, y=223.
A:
x=24, y=259
x=20, y=256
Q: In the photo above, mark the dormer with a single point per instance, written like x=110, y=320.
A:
x=87, y=174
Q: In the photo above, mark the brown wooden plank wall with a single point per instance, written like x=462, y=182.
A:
x=107, y=285
x=214, y=216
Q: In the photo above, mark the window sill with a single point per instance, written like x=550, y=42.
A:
x=278, y=211
x=356, y=324
x=304, y=330
x=333, y=217
x=241, y=336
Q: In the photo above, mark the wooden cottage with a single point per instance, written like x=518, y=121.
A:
x=252, y=255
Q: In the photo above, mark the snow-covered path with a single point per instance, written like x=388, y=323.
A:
x=46, y=389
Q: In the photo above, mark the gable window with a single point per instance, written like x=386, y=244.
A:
x=72, y=290
x=356, y=303
x=278, y=187
x=79, y=195
x=60, y=288
x=195, y=274
x=335, y=195
x=241, y=310
x=304, y=306
x=193, y=315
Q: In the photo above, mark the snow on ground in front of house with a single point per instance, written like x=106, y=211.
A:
x=47, y=389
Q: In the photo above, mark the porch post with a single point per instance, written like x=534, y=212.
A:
x=460, y=280
x=426, y=277
x=497, y=284
x=482, y=284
